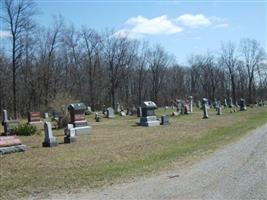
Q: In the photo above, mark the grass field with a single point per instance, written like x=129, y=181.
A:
x=118, y=150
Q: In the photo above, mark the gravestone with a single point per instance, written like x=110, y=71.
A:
x=69, y=134
x=139, y=112
x=7, y=123
x=97, y=117
x=230, y=102
x=88, y=111
x=190, y=98
x=49, y=140
x=219, y=108
x=133, y=111
x=165, y=120
x=77, y=118
x=242, y=104
x=110, y=113
x=186, y=109
x=225, y=103
x=11, y=144
x=122, y=113
x=55, y=115
x=118, y=108
x=205, y=108
x=178, y=106
x=46, y=115
x=148, y=117
x=34, y=118
x=175, y=113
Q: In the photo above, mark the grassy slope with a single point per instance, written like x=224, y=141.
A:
x=118, y=150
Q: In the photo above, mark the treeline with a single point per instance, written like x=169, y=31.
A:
x=41, y=65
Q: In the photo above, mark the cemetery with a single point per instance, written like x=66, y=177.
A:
x=119, y=148
x=97, y=94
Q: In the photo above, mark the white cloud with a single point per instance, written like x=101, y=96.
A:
x=200, y=20
x=194, y=21
x=137, y=27
x=140, y=26
x=223, y=25
x=4, y=34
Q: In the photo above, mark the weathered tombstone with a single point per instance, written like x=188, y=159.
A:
x=148, y=114
x=242, y=104
x=175, y=113
x=34, y=118
x=97, y=117
x=219, y=110
x=77, y=118
x=186, y=109
x=88, y=111
x=118, y=108
x=139, y=112
x=178, y=105
x=69, y=134
x=225, y=103
x=55, y=115
x=110, y=113
x=49, y=140
x=46, y=115
x=8, y=124
x=205, y=108
x=190, y=98
x=133, y=111
x=165, y=120
x=230, y=102
x=122, y=113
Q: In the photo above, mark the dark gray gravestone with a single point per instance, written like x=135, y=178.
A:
x=165, y=120
x=49, y=140
x=139, y=112
x=97, y=117
x=219, y=110
x=8, y=124
x=230, y=102
x=178, y=105
x=110, y=113
x=148, y=114
x=242, y=104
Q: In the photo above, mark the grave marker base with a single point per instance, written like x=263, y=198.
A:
x=12, y=149
x=68, y=140
x=85, y=130
x=50, y=144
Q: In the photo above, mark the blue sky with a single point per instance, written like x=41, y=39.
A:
x=182, y=27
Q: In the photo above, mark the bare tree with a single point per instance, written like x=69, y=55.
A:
x=119, y=53
x=252, y=54
x=228, y=59
x=158, y=60
x=93, y=45
x=17, y=16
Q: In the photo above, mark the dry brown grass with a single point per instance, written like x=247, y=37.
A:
x=116, y=150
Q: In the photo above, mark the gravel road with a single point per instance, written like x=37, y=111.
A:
x=238, y=171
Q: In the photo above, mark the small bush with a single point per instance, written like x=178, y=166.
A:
x=24, y=130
